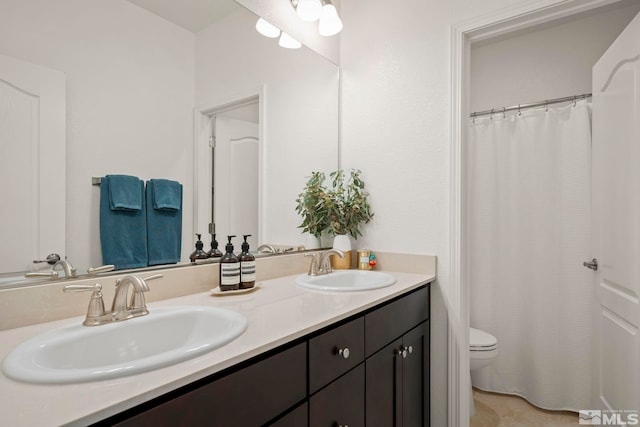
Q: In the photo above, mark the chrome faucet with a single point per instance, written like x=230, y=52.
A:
x=121, y=309
x=325, y=260
x=321, y=263
x=69, y=270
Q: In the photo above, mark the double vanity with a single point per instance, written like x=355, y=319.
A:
x=292, y=352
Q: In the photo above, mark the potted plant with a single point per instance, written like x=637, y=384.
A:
x=310, y=207
x=341, y=209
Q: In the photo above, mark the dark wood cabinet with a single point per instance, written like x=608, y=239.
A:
x=397, y=379
x=371, y=369
x=251, y=396
x=341, y=403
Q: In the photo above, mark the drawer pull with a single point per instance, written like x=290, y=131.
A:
x=344, y=352
x=405, y=351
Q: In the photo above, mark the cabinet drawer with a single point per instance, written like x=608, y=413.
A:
x=341, y=403
x=335, y=352
x=391, y=321
x=267, y=388
x=296, y=418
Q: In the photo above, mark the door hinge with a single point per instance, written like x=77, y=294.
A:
x=212, y=141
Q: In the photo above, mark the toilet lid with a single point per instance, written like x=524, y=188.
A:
x=481, y=340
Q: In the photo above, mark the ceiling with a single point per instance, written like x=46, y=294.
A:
x=193, y=15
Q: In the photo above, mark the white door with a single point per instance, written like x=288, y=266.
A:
x=236, y=185
x=616, y=213
x=32, y=164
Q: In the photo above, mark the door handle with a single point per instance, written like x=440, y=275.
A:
x=593, y=265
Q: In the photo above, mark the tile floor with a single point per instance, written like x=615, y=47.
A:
x=503, y=410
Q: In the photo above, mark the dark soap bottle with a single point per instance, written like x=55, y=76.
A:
x=229, y=269
x=247, y=266
x=198, y=253
x=214, y=252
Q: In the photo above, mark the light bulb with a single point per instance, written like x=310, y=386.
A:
x=330, y=23
x=309, y=10
x=288, y=42
x=267, y=29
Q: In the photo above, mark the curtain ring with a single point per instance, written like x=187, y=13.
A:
x=574, y=100
x=519, y=110
x=546, y=105
x=491, y=114
x=504, y=112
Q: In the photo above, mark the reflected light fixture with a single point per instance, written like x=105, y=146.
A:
x=308, y=10
x=330, y=23
x=288, y=42
x=267, y=29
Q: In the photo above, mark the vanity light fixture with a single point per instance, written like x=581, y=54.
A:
x=330, y=23
x=288, y=42
x=308, y=10
x=319, y=10
x=267, y=29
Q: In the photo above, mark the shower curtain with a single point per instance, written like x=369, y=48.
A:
x=529, y=226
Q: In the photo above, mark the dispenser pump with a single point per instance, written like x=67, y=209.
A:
x=245, y=244
x=214, y=252
x=229, y=247
x=198, y=253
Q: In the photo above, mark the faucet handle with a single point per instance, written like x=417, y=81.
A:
x=313, y=267
x=51, y=274
x=153, y=277
x=102, y=269
x=96, y=304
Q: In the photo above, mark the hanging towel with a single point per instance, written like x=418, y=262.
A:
x=164, y=221
x=124, y=193
x=123, y=222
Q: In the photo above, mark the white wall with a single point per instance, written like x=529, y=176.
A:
x=543, y=63
x=396, y=97
x=129, y=77
x=301, y=114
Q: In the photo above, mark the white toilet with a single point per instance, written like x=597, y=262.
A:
x=483, y=348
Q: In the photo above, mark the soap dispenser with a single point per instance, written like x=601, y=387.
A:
x=198, y=253
x=229, y=269
x=247, y=266
x=214, y=252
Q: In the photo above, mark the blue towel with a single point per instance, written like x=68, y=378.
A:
x=123, y=230
x=164, y=221
x=124, y=193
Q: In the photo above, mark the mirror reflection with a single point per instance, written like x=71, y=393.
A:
x=132, y=81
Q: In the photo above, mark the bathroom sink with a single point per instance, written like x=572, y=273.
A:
x=165, y=336
x=347, y=281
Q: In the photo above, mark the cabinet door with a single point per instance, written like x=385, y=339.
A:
x=341, y=403
x=383, y=387
x=415, y=377
x=249, y=397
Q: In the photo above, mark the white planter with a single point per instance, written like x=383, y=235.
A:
x=342, y=242
x=311, y=241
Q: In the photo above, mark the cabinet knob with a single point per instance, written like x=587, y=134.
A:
x=344, y=352
x=410, y=348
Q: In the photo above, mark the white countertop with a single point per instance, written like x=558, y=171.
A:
x=278, y=312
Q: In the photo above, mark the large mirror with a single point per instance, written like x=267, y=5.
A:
x=138, y=75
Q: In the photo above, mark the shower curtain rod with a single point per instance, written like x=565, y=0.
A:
x=520, y=107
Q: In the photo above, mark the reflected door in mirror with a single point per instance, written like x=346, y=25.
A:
x=32, y=163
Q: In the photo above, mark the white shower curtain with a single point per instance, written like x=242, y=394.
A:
x=529, y=228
